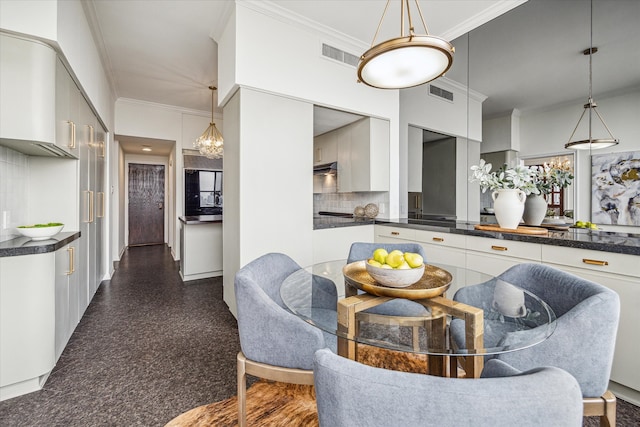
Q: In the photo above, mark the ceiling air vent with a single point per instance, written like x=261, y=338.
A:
x=339, y=55
x=439, y=92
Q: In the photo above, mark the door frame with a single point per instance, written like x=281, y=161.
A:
x=146, y=160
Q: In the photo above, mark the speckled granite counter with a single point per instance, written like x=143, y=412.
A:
x=26, y=246
x=200, y=219
x=621, y=243
x=320, y=222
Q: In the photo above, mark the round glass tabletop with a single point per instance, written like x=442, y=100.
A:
x=487, y=315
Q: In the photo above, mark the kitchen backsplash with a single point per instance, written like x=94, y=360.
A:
x=347, y=202
x=14, y=172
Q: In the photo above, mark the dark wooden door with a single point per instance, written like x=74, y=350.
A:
x=146, y=204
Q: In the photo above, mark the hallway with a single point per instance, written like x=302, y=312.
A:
x=148, y=348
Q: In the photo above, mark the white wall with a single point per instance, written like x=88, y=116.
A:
x=268, y=208
x=546, y=132
x=420, y=110
x=156, y=121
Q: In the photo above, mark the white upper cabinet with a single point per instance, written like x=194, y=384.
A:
x=27, y=104
x=325, y=148
x=363, y=156
x=68, y=99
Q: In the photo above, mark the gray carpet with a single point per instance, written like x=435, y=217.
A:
x=149, y=348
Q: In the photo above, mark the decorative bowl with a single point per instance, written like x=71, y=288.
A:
x=395, y=278
x=40, y=231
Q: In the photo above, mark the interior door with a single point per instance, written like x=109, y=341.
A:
x=146, y=204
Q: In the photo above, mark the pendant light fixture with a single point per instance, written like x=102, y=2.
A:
x=210, y=143
x=591, y=143
x=405, y=61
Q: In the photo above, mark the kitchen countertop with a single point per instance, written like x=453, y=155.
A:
x=200, y=219
x=622, y=243
x=26, y=246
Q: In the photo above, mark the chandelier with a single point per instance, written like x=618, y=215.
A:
x=591, y=143
x=405, y=61
x=211, y=143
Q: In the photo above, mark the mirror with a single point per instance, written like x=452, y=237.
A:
x=537, y=80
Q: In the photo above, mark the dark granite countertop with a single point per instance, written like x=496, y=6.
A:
x=621, y=243
x=322, y=222
x=200, y=219
x=26, y=246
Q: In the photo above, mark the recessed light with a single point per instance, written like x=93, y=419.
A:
x=146, y=148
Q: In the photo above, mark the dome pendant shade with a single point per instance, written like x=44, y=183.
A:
x=210, y=143
x=405, y=62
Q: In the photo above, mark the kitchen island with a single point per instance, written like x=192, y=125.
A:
x=200, y=247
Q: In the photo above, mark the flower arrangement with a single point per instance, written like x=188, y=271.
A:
x=519, y=178
x=547, y=177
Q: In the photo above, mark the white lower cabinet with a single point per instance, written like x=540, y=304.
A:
x=494, y=256
x=67, y=313
x=200, y=250
x=443, y=248
x=620, y=273
x=330, y=244
x=38, y=313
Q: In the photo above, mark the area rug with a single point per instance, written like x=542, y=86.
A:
x=268, y=404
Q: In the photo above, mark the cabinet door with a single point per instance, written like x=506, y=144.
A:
x=67, y=110
x=379, y=137
x=343, y=147
x=100, y=202
x=86, y=267
x=325, y=148
x=63, y=268
x=27, y=85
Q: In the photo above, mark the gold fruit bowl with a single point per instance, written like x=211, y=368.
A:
x=395, y=278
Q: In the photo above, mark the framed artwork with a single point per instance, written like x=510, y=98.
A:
x=615, y=188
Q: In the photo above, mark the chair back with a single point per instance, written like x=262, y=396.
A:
x=269, y=333
x=361, y=250
x=352, y=394
x=587, y=315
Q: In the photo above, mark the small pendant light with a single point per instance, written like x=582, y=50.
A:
x=211, y=143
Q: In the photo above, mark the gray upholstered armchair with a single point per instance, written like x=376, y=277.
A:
x=584, y=339
x=352, y=394
x=276, y=344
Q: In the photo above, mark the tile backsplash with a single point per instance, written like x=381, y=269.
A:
x=14, y=172
x=347, y=202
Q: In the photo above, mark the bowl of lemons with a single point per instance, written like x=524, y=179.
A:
x=395, y=269
x=40, y=231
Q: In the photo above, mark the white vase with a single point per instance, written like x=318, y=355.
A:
x=509, y=206
x=535, y=209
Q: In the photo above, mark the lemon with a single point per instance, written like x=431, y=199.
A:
x=380, y=255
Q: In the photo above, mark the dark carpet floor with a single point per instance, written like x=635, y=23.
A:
x=148, y=348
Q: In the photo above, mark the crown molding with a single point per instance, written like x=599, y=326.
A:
x=499, y=8
x=174, y=108
x=459, y=87
x=220, y=23
x=272, y=10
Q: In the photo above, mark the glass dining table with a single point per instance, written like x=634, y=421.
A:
x=420, y=328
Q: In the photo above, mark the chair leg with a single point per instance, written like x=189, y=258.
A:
x=609, y=417
x=603, y=407
x=242, y=390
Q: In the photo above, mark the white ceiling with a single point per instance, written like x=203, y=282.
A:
x=162, y=51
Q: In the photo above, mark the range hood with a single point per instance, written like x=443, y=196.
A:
x=35, y=148
x=326, y=169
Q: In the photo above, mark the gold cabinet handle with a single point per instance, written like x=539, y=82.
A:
x=499, y=248
x=91, y=207
x=72, y=142
x=101, y=202
x=438, y=239
x=395, y=233
x=594, y=261
x=72, y=267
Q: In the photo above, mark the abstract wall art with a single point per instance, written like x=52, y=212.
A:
x=615, y=188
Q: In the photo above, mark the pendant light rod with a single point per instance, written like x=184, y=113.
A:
x=591, y=143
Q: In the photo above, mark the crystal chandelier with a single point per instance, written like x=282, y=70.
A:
x=405, y=61
x=211, y=143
